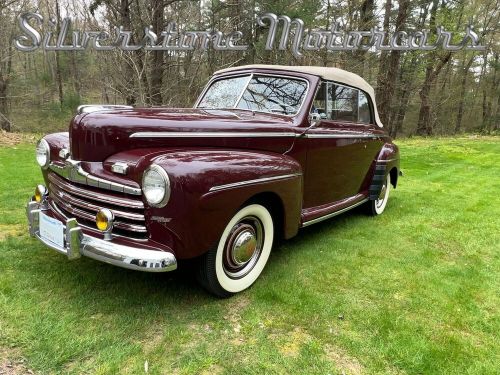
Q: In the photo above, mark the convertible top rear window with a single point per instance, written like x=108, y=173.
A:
x=262, y=93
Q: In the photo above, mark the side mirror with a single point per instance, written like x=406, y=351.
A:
x=314, y=119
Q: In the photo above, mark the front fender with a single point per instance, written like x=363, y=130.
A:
x=209, y=186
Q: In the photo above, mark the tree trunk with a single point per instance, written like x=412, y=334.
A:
x=424, y=126
x=403, y=94
x=392, y=64
x=157, y=62
x=461, y=103
x=58, y=62
x=5, y=71
x=365, y=23
x=4, y=108
x=130, y=93
x=382, y=71
x=76, y=74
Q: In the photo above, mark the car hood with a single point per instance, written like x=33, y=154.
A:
x=98, y=135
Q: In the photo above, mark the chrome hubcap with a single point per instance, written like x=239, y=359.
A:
x=382, y=192
x=382, y=196
x=243, y=247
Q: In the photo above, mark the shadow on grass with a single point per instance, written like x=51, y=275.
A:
x=104, y=288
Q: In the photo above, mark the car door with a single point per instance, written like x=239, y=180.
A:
x=341, y=147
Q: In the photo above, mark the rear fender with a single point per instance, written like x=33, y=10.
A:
x=387, y=162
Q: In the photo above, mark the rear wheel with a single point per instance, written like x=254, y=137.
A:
x=377, y=206
x=241, y=254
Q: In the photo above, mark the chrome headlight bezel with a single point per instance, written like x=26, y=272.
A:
x=42, y=153
x=162, y=176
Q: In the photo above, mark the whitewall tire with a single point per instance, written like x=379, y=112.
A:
x=377, y=206
x=241, y=253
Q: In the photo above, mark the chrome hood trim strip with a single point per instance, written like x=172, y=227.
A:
x=210, y=135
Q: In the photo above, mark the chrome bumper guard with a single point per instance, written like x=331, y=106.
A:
x=77, y=244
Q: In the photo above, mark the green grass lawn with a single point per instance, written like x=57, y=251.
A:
x=414, y=291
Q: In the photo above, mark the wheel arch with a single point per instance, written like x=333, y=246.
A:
x=394, y=174
x=276, y=207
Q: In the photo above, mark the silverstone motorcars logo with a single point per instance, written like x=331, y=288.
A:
x=293, y=36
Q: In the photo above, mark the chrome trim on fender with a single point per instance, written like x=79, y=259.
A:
x=209, y=135
x=250, y=182
x=386, y=160
x=77, y=244
x=347, y=135
x=328, y=216
x=73, y=171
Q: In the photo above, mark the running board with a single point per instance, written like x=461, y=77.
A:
x=328, y=216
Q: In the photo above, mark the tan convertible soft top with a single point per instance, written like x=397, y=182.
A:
x=331, y=74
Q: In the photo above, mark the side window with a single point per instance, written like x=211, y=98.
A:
x=319, y=103
x=365, y=115
x=342, y=103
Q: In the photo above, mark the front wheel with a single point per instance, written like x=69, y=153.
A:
x=241, y=254
x=377, y=206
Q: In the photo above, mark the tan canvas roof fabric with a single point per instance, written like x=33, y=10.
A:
x=331, y=74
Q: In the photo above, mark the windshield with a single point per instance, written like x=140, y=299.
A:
x=254, y=92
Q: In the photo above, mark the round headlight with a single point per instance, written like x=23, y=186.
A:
x=156, y=186
x=43, y=153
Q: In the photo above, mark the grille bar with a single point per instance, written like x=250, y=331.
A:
x=83, y=202
x=90, y=217
x=96, y=196
x=89, y=206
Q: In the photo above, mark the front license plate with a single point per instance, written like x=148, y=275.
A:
x=52, y=230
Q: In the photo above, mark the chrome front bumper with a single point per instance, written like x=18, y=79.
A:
x=77, y=243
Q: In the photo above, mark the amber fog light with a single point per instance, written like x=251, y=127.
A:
x=40, y=193
x=104, y=220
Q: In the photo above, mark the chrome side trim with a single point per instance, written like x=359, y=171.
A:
x=210, y=135
x=77, y=243
x=73, y=171
x=328, y=216
x=250, y=182
x=347, y=135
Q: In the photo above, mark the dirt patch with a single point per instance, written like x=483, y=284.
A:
x=12, y=139
x=290, y=343
x=234, y=310
x=10, y=230
x=213, y=370
x=12, y=364
x=347, y=364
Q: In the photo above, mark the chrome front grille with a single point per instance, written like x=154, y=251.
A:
x=82, y=202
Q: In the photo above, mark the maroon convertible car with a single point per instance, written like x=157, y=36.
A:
x=265, y=151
